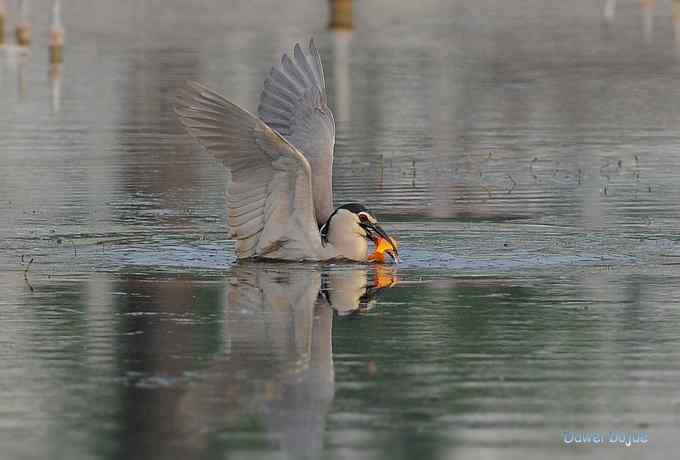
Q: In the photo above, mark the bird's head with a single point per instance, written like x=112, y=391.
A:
x=350, y=227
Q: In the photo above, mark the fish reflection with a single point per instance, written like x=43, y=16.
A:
x=278, y=363
x=351, y=292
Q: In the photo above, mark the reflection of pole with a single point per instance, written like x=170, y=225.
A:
x=24, y=59
x=676, y=26
x=56, y=35
x=648, y=19
x=23, y=30
x=343, y=105
x=3, y=16
x=609, y=10
x=56, y=69
x=341, y=15
x=443, y=186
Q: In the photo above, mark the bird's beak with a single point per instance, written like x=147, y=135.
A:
x=375, y=233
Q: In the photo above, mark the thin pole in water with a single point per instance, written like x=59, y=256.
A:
x=23, y=30
x=3, y=17
x=56, y=35
x=341, y=15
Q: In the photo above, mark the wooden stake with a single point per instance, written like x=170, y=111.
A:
x=3, y=17
x=23, y=30
x=341, y=15
x=56, y=35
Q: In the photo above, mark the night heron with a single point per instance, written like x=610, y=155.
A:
x=280, y=197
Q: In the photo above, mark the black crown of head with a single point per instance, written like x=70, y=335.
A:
x=356, y=208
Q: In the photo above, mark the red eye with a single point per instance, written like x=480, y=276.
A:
x=363, y=217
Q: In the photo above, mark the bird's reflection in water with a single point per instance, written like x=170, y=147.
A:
x=351, y=292
x=277, y=371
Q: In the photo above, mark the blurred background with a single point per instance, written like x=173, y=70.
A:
x=525, y=154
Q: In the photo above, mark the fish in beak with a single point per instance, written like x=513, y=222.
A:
x=383, y=243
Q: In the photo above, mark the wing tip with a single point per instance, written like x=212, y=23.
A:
x=318, y=66
x=313, y=50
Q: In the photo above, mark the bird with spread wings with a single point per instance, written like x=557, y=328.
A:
x=280, y=162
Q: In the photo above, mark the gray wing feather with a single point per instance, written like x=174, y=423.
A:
x=270, y=204
x=294, y=103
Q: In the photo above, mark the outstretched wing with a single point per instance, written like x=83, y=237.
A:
x=270, y=205
x=294, y=103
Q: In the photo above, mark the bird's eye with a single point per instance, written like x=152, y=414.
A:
x=363, y=217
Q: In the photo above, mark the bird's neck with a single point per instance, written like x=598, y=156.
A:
x=341, y=234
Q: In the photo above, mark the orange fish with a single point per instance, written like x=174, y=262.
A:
x=383, y=246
